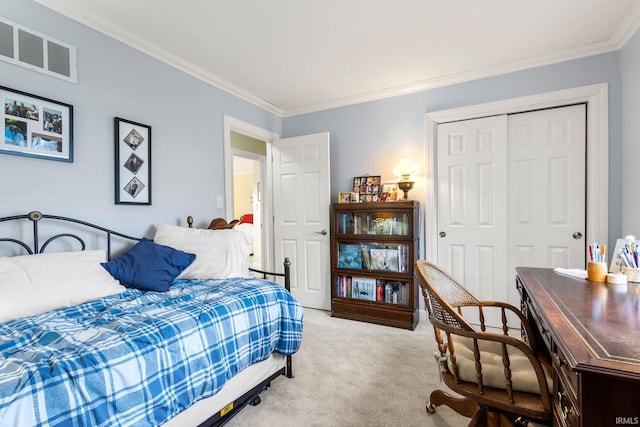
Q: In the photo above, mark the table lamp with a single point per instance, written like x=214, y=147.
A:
x=405, y=169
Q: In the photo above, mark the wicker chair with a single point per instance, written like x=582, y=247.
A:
x=502, y=379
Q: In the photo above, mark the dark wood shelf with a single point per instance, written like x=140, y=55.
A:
x=389, y=228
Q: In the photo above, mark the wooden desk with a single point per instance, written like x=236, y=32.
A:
x=592, y=333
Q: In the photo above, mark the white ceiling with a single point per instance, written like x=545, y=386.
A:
x=297, y=56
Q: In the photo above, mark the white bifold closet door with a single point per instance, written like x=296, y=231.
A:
x=511, y=192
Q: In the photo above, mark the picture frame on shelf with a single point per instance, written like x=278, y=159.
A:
x=355, y=197
x=132, y=162
x=35, y=126
x=389, y=192
x=344, y=197
x=367, y=187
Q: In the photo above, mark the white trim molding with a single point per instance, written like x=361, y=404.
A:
x=596, y=98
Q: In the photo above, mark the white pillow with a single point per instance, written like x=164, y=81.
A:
x=33, y=284
x=220, y=254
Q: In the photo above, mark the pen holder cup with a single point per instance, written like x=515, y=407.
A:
x=633, y=274
x=597, y=271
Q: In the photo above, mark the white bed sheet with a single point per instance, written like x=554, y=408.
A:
x=233, y=389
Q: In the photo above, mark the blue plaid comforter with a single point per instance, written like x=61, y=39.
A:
x=139, y=358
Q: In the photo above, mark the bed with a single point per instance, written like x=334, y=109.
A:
x=190, y=340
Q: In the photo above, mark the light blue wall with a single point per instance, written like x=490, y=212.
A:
x=372, y=137
x=630, y=185
x=186, y=116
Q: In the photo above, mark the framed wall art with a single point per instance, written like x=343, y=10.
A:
x=36, y=127
x=133, y=163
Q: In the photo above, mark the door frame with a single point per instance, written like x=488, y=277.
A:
x=239, y=126
x=597, y=99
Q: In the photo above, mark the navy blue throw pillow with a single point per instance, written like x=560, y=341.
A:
x=149, y=266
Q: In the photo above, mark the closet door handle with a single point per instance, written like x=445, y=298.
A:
x=577, y=235
x=322, y=232
x=443, y=234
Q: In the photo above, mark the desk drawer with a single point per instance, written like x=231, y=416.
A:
x=566, y=374
x=565, y=409
x=541, y=325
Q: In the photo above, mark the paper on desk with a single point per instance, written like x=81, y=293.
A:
x=575, y=272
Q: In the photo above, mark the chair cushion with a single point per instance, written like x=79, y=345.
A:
x=523, y=376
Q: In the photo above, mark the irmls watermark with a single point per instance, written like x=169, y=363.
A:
x=628, y=421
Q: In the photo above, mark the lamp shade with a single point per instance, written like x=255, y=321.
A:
x=405, y=169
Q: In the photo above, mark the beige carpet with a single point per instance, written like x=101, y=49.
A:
x=352, y=374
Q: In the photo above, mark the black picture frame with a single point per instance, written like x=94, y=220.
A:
x=35, y=126
x=132, y=162
x=368, y=188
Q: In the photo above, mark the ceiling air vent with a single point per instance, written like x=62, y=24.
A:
x=22, y=46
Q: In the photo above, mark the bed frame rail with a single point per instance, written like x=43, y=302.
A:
x=286, y=274
x=35, y=217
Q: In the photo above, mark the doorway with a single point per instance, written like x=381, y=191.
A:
x=248, y=183
x=250, y=146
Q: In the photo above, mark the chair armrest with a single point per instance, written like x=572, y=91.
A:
x=528, y=329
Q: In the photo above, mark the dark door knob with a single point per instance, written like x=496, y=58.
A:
x=443, y=234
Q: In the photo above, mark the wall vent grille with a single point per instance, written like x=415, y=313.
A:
x=27, y=48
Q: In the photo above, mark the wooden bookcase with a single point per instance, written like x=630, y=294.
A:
x=374, y=248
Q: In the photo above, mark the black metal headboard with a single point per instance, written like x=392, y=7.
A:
x=35, y=217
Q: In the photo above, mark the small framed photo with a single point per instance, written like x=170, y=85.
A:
x=389, y=192
x=355, y=197
x=36, y=127
x=344, y=197
x=132, y=162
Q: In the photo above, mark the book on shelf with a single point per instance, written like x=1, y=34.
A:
x=384, y=259
x=366, y=258
x=363, y=288
x=380, y=289
x=349, y=256
x=403, y=258
x=396, y=292
x=343, y=286
x=370, y=289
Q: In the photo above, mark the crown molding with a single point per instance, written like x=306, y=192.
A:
x=451, y=79
x=628, y=28
x=124, y=36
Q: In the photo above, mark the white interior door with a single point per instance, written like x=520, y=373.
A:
x=547, y=183
x=301, y=191
x=511, y=192
x=472, y=203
